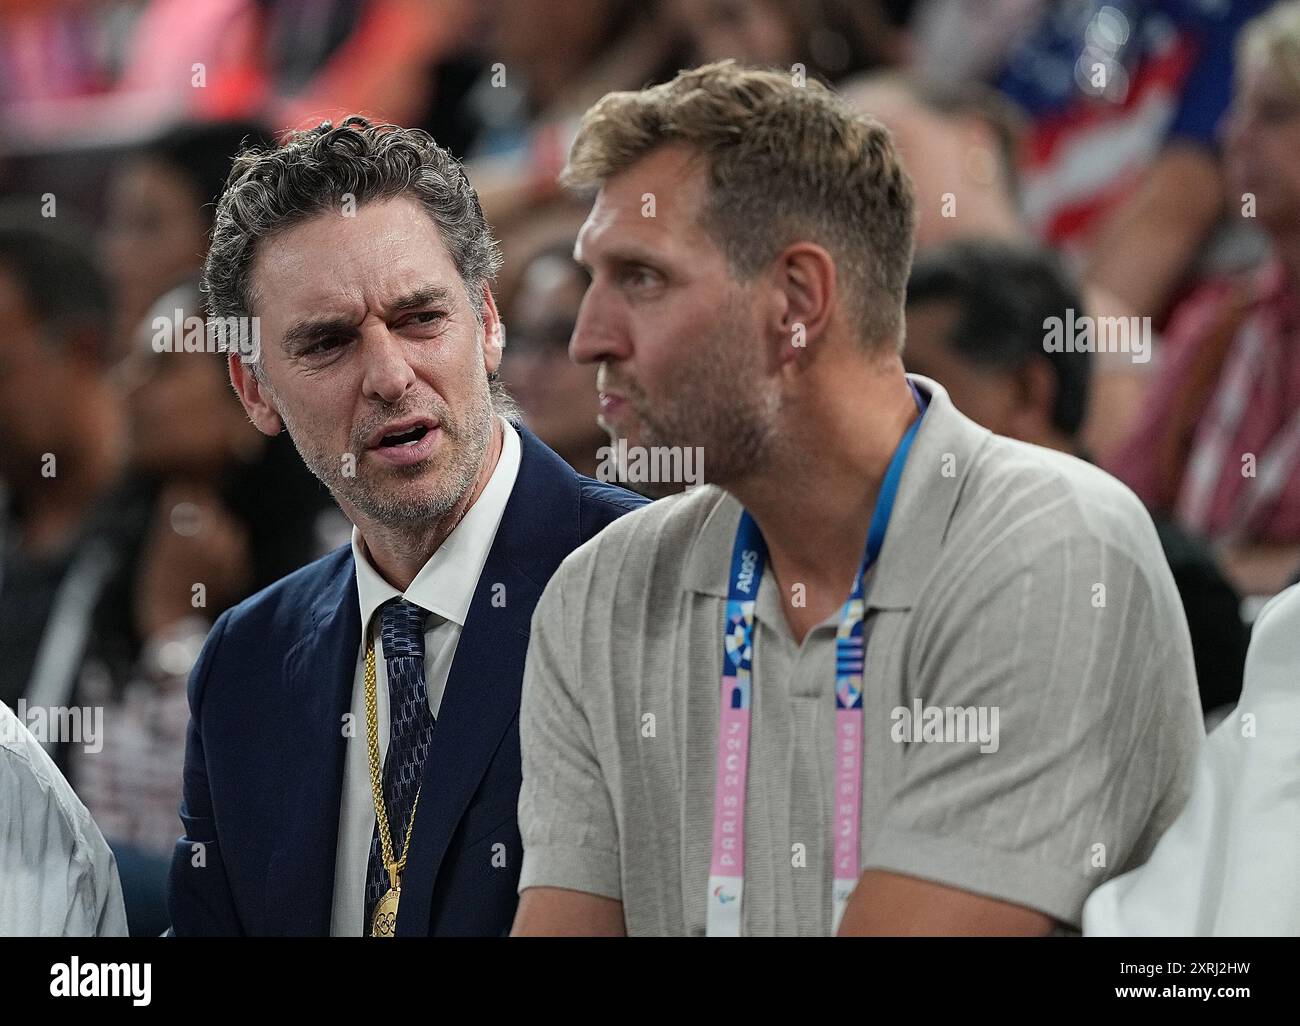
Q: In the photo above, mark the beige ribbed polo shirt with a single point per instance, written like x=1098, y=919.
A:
x=1014, y=581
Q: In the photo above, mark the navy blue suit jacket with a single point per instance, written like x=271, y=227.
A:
x=264, y=760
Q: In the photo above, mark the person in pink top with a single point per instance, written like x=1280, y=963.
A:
x=1218, y=443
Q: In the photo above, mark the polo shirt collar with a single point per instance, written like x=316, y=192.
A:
x=942, y=453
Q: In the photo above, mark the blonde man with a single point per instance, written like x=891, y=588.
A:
x=730, y=700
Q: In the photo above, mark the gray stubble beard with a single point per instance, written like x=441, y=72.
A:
x=715, y=407
x=465, y=461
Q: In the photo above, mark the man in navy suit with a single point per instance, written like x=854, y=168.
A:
x=353, y=762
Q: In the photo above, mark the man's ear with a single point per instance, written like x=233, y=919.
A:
x=494, y=333
x=256, y=399
x=805, y=291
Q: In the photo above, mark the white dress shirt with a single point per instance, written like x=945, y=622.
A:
x=445, y=586
x=1229, y=865
x=58, y=877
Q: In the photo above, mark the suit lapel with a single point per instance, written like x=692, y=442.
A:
x=538, y=529
x=317, y=693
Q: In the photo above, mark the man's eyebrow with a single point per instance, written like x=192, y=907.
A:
x=424, y=295
x=624, y=253
x=306, y=331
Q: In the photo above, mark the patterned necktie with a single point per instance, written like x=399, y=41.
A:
x=410, y=733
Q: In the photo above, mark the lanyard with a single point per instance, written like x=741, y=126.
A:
x=727, y=869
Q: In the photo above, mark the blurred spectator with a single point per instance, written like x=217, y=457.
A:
x=976, y=316
x=829, y=38
x=557, y=396
x=110, y=71
x=330, y=58
x=210, y=512
x=960, y=145
x=960, y=148
x=107, y=586
x=545, y=63
x=1121, y=166
x=540, y=229
x=952, y=42
x=61, y=441
x=535, y=84
x=1218, y=443
x=160, y=205
x=260, y=482
x=547, y=60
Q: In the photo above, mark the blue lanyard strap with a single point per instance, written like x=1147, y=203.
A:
x=749, y=554
x=726, y=868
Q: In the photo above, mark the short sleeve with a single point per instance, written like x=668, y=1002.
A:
x=99, y=888
x=1084, y=681
x=566, y=817
x=58, y=877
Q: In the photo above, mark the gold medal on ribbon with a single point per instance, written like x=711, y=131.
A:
x=383, y=922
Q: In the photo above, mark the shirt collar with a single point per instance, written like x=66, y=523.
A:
x=445, y=584
x=942, y=454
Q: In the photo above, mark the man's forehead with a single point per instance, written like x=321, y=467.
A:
x=388, y=248
x=378, y=230
x=675, y=168
x=655, y=201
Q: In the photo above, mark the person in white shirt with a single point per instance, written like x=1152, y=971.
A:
x=1230, y=863
x=58, y=877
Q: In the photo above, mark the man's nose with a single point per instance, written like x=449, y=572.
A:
x=600, y=332
x=387, y=371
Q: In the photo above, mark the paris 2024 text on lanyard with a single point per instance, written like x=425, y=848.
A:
x=727, y=870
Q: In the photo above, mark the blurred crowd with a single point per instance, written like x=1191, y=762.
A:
x=1123, y=165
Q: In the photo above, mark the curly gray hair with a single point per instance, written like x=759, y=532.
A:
x=312, y=172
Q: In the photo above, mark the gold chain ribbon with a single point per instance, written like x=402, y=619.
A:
x=383, y=923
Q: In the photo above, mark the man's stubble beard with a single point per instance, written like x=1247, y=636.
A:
x=463, y=453
x=718, y=402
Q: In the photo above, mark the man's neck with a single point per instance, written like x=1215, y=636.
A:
x=400, y=554
x=814, y=503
